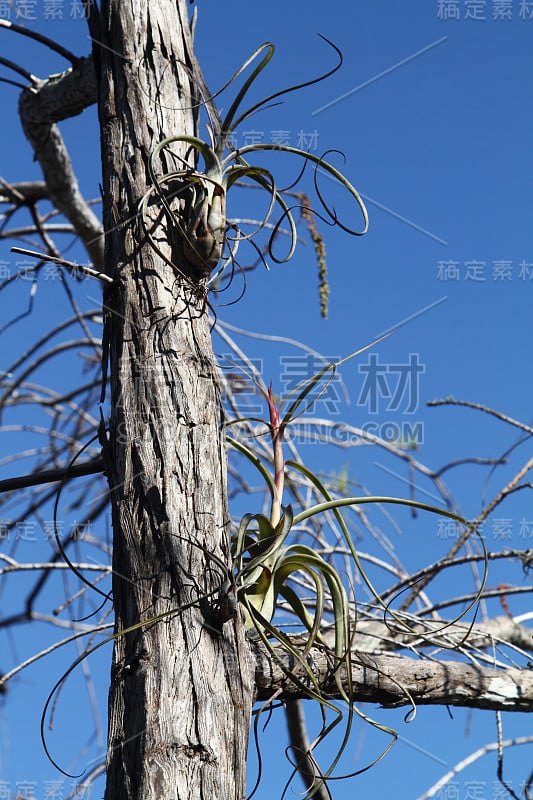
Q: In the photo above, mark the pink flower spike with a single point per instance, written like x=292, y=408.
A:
x=273, y=410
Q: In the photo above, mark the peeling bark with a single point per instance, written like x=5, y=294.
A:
x=182, y=687
x=393, y=680
x=184, y=677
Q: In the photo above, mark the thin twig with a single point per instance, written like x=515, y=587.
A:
x=486, y=410
x=93, y=273
x=38, y=37
x=466, y=762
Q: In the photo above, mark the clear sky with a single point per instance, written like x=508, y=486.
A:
x=432, y=114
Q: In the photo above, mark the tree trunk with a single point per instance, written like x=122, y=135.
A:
x=181, y=687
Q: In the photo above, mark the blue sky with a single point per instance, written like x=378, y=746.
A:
x=432, y=113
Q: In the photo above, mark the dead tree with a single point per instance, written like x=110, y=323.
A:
x=185, y=672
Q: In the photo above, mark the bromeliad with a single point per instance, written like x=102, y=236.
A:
x=194, y=200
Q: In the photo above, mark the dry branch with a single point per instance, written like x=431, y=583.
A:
x=391, y=680
x=41, y=107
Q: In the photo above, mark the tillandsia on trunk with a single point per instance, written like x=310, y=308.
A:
x=194, y=200
x=267, y=562
x=205, y=227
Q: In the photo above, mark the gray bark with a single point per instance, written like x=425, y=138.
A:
x=395, y=680
x=41, y=107
x=182, y=687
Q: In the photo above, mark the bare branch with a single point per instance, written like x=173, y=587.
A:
x=38, y=37
x=6, y=62
x=51, y=475
x=305, y=763
x=70, y=265
x=23, y=191
x=380, y=678
x=480, y=407
x=60, y=97
x=466, y=762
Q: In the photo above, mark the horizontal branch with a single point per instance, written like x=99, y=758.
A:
x=393, y=680
x=23, y=192
x=91, y=467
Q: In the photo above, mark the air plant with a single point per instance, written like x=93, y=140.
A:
x=266, y=558
x=194, y=200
